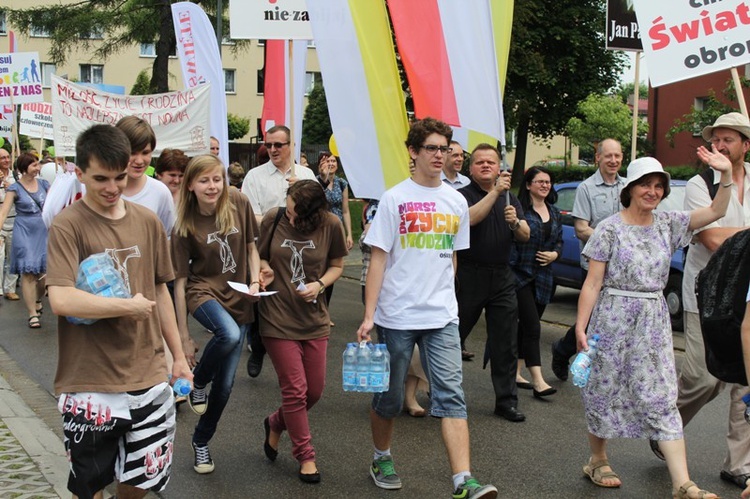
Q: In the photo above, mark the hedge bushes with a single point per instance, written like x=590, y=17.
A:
x=573, y=173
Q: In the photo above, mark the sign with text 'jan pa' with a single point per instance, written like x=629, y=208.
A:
x=36, y=120
x=20, y=78
x=270, y=20
x=688, y=38
x=622, y=26
x=180, y=119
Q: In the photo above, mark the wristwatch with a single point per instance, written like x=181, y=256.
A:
x=322, y=286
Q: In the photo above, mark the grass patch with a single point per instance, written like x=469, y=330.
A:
x=355, y=211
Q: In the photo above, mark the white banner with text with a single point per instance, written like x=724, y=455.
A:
x=180, y=119
x=683, y=39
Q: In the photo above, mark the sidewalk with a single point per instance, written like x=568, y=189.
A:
x=32, y=457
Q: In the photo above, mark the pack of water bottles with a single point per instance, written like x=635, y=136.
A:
x=97, y=275
x=367, y=367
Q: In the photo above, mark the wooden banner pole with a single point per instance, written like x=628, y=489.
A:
x=636, y=97
x=739, y=91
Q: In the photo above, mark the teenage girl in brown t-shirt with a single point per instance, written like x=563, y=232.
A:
x=305, y=248
x=213, y=243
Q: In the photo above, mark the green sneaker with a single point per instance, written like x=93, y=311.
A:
x=383, y=474
x=474, y=490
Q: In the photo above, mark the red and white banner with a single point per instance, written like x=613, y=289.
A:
x=450, y=60
x=180, y=119
x=277, y=96
x=201, y=63
x=684, y=39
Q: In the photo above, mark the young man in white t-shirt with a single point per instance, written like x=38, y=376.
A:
x=142, y=189
x=419, y=225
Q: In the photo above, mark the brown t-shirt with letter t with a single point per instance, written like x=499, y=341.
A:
x=297, y=258
x=210, y=260
x=118, y=354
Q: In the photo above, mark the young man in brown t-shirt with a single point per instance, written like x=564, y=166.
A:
x=117, y=407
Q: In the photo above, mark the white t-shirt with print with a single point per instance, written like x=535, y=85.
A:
x=420, y=228
x=158, y=198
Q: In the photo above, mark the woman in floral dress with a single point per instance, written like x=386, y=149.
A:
x=632, y=390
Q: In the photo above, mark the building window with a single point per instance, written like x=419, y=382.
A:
x=229, y=81
x=94, y=34
x=311, y=43
x=3, y=27
x=92, y=73
x=38, y=31
x=48, y=69
x=699, y=105
x=261, y=80
x=312, y=78
x=149, y=50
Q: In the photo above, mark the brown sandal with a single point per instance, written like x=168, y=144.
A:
x=594, y=472
x=682, y=492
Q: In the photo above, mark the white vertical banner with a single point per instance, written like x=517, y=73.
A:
x=201, y=63
x=299, y=50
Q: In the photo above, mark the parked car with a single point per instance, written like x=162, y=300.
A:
x=567, y=269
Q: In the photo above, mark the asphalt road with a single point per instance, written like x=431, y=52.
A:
x=540, y=458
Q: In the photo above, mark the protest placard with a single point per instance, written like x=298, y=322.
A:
x=688, y=38
x=36, y=120
x=622, y=26
x=278, y=20
x=20, y=78
x=179, y=119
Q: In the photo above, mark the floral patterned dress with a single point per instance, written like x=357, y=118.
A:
x=632, y=390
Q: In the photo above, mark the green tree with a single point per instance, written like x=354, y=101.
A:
x=625, y=90
x=121, y=23
x=316, y=123
x=238, y=126
x=601, y=116
x=557, y=59
x=142, y=84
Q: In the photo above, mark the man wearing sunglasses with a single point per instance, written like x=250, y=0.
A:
x=266, y=187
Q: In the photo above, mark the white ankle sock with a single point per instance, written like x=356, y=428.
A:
x=459, y=478
x=380, y=453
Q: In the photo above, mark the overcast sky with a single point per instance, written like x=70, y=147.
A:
x=628, y=76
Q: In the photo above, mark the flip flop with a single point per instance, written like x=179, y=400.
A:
x=34, y=322
x=593, y=471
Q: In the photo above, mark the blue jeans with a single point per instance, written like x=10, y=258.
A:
x=218, y=364
x=440, y=351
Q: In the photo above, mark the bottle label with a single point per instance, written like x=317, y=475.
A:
x=376, y=381
x=350, y=378
x=362, y=380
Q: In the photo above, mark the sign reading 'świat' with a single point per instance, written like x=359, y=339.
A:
x=688, y=38
x=270, y=20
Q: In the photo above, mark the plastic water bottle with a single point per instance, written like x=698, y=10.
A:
x=182, y=387
x=581, y=366
x=349, y=371
x=378, y=365
x=364, y=354
x=746, y=400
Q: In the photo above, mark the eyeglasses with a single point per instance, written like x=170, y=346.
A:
x=433, y=149
x=277, y=145
x=541, y=182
